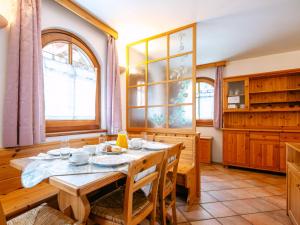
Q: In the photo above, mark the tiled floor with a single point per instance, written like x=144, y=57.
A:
x=236, y=197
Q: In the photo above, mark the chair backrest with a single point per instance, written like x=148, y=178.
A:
x=155, y=161
x=169, y=172
x=2, y=216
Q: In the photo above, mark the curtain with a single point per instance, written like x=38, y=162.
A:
x=218, y=116
x=113, y=97
x=23, y=116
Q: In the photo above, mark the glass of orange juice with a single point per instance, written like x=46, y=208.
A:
x=122, y=140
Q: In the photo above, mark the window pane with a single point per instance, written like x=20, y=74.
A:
x=137, y=54
x=136, y=75
x=204, y=101
x=157, y=48
x=181, y=42
x=181, y=116
x=157, y=71
x=70, y=90
x=136, y=96
x=157, y=94
x=157, y=117
x=80, y=58
x=58, y=51
x=136, y=117
x=181, y=92
x=181, y=67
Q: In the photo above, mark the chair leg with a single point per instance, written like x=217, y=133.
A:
x=163, y=213
x=153, y=217
x=174, y=216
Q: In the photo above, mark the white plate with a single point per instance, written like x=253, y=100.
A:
x=56, y=152
x=123, y=150
x=111, y=160
x=111, y=142
x=156, y=146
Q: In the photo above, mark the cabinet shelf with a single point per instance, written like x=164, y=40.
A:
x=275, y=102
x=235, y=95
x=291, y=109
x=271, y=91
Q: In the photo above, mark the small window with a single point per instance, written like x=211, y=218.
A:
x=204, y=101
x=71, y=83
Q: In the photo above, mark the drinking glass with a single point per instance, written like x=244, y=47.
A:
x=65, y=147
x=144, y=136
x=102, y=139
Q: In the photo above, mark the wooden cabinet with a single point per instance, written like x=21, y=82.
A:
x=236, y=94
x=236, y=148
x=264, y=151
x=205, y=145
x=293, y=182
x=258, y=150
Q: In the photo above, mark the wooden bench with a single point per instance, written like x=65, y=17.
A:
x=188, y=167
x=14, y=198
x=21, y=200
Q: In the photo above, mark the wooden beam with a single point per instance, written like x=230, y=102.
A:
x=84, y=14
x=208, y=65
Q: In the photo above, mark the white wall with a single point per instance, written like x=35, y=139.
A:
x=55, y=16
x=282, y=61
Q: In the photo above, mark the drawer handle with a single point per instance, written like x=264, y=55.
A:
x=298, y=186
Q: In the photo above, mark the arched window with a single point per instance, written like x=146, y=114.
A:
x=204, y=101
x=71, y=83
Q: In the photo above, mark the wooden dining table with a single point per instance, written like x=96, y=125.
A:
x=73, y=189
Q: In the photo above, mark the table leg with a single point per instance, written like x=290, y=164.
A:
x=79, y=204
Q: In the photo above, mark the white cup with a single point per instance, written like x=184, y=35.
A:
x=79, y=157
x=91, y=149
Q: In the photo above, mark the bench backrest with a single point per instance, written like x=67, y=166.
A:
x=188, y=154
x=10, y=177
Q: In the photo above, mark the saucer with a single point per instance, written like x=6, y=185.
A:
x=73, y=163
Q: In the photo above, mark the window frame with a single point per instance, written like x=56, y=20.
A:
x=57, y=126
x=205, y=122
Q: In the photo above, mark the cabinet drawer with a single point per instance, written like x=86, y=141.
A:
x=264, y=136
x=290, y=137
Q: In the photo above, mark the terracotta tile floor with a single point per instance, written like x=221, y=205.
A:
x=233, y=196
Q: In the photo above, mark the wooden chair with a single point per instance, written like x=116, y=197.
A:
x=167, y=184
x=41, y=215
x=130, y=205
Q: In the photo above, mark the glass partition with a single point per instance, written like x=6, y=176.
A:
x=161, y=81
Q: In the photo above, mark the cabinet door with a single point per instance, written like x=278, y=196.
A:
x=236, y=94
x=205, y=150
x=294, y=196
x=264, y=154
x=236, y=148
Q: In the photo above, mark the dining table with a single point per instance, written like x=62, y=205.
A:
x=73, y=189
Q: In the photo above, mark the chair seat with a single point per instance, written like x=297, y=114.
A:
x=111, y=206
x=41, y=215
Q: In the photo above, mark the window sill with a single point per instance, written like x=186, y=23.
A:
x=56, y=134
x=204, y=123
